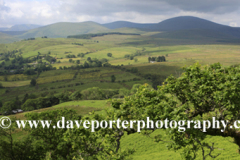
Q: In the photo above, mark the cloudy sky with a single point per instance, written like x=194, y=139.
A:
x=45, y=12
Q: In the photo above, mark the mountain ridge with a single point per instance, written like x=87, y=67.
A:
x=172, y=26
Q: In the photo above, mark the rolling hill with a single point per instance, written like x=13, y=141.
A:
x=63, y=29
x=18, y=29
x=23, y=27
x=5, y=38
x=195, y=34
x=125, y=24
x=3, y=28
x=184, y=27
x=181, y=23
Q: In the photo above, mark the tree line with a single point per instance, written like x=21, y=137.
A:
x=88, y=36
x=157, y=59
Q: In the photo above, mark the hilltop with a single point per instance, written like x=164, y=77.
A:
x=63, y=29
x=22, y=27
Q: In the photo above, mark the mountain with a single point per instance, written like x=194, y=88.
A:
x=3, y=28
x=172, y=24
x=23, y=27
x=64, y=29
x=18, y=29
x=125, y=24
x=184, y=23
x=13, y=33
x=178, y=24
x=184, y=27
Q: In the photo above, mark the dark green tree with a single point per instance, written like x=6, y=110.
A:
x=113, y=78
x=33, y=82
x=14, y=149
x=109, y=54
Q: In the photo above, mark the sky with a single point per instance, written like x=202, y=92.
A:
x=44, y=12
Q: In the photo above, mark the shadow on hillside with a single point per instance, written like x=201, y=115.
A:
x=159, y=69
x=182, y=38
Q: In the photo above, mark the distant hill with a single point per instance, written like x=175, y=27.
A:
x=5, y=38
x=64, y=29
x=125, y=24
x=184, y=23
x=22, y=27
x=13, y=33
x=189, y=23
x=185, y=27
x=3, y=28
x=179, y=23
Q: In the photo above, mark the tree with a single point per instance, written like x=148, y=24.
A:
x=78, y=61
x=1, y=86
x=33, y=82
x=113, y=78
x=25, y=98
x=199, y=94
x=86, y=65
x=52, y=139
x=135, y=88
x=94, y=93
x=131, y=57
x=76, y=96
x=70, y=60
x=109, y=54
x=89, y=59
x=24, y=149
x=8, y=107
x=124, y=92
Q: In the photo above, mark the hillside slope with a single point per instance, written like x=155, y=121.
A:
x=22, y=27
x=5, y=38
x=125, y=24
x=189, y=23
x=180, y=23
x=63, y=29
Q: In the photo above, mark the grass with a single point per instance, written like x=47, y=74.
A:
x=56, y=81
x=15, y=83
x=146, y=148
x=81, y=107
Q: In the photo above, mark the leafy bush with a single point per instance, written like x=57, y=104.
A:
x=76, y=96
x=94, y=93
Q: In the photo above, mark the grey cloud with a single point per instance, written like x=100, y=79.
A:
x=211, y=6
x=108, y=7
x=3, y=7
x=102, y=11
x=104, y=7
